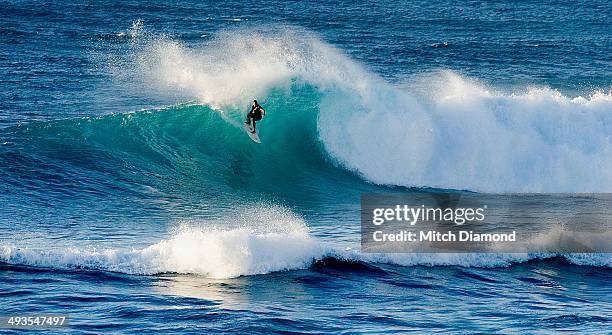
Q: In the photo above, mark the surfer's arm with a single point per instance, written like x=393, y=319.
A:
x=263, y=111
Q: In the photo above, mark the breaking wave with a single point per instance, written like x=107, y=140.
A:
x=263, y=240
x=446, y=131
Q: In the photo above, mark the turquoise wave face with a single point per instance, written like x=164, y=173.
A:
x=189, y=153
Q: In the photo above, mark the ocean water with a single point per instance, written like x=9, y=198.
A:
x=131, y=199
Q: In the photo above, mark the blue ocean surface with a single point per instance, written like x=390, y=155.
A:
x=132, y=200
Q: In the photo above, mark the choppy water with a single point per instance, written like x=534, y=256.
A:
x=132, y=199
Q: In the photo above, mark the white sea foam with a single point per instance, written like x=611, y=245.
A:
x=462, y=135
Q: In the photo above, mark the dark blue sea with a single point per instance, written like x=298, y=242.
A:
x=132, y=201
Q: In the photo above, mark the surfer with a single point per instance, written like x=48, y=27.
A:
x=256, y=113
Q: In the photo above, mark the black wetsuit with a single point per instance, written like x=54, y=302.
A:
x=255, y=114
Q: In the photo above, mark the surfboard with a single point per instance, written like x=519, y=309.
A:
x=253, y=136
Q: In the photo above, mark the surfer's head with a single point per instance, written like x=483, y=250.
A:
x=255, y=103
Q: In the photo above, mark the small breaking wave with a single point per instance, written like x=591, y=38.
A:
x=273, y=239
x=263, y=240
